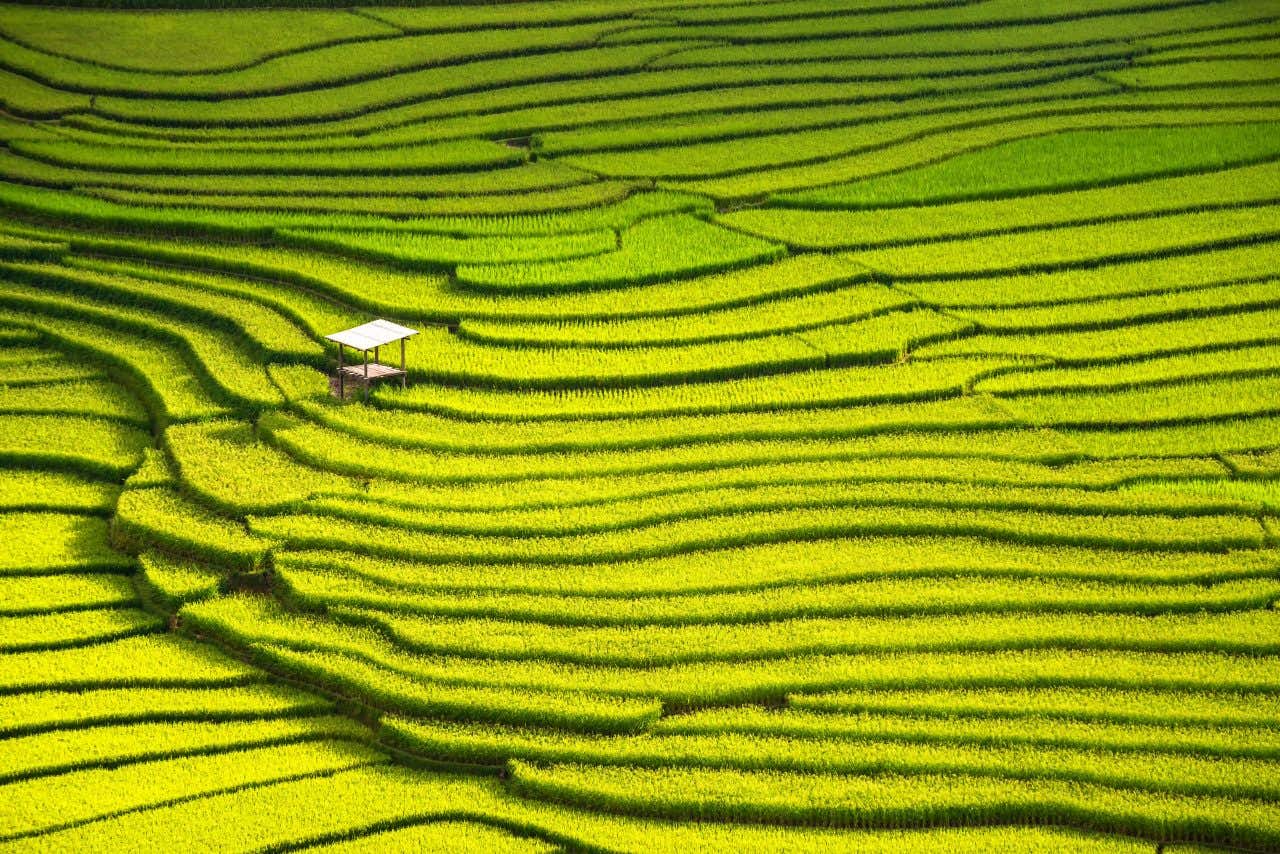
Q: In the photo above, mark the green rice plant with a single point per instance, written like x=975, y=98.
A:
x=890, y=62
x=379, y=796
x=98, y=398
x=223, y=464
x=43, y=543
x=45, y=711
x=834, y=229
x=705, y=95
x=784, y=315
x=12, y=127
x=1027, y=729
x=618, y=215
x=187, y=41
x=437, y=103
x=747, y=286
x=1165, y=708
x=156, y=470
x=386, y=689
x=442, y=433
x=1099, y=313
x=23, y=170
x=537, y=201
x=332, y=277
x=748, y=168
x=330, y=450
x=300, y=384
x=44, y=367
x=21, y=248
x=158, y=517
x=379, y=102
x=433, y=252
x=1218, y=35
x=312, y=313
x=463, y=155
x=73, y=628
x=1116, y=345
x=1051, y=98
x=444, y=836
x=490, y=183
x=422, y=20
x=1007, y=29
x=267, y=222
x=884, y=597
x=695, y=95
x=146, y=661
x=430, y=297
x=46, y=370
x=645, y=645
x=1166, y=72
x=708, y=127
x=1242, y=361
x=283, y=643
x=258, y=225
x=209, y=353
x=438, y=304
x=927, y=140
x=1066, y=160
x=259, y=327
x=45, y=804
x=55, y=491
x=1262, y=495
x=864, y=754
x=24, y=97
x=166, y=582
x=47, y=594
x=1163, y=404
x=851, y=343
x=748, y=681
x=93, y=210
x=859, y=385
x=681, y=685
x=21, y=348
x=628, y=514
x=462, y=362
x=887, y=17
x=45, y=754
x=885, y=338
x=1239, y=435
x=320, y=66
x=91, y=446
x=1076, y=246
x=1265, y=464
x=773, y=23
x=439, y=433
x=899, y=801
x=650, y=251
x=785, y=565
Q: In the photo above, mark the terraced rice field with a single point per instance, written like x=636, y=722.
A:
x=836, y=425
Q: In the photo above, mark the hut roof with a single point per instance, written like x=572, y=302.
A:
x=375, y=333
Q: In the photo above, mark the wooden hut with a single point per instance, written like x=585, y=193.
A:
x=370, y=338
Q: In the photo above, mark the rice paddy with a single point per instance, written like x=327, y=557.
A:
x=831, y=426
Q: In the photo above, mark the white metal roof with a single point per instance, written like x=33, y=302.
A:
x=375, y=333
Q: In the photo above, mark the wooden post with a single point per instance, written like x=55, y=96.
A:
x=404, y=378
x=366, y=376
x=342, y=384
